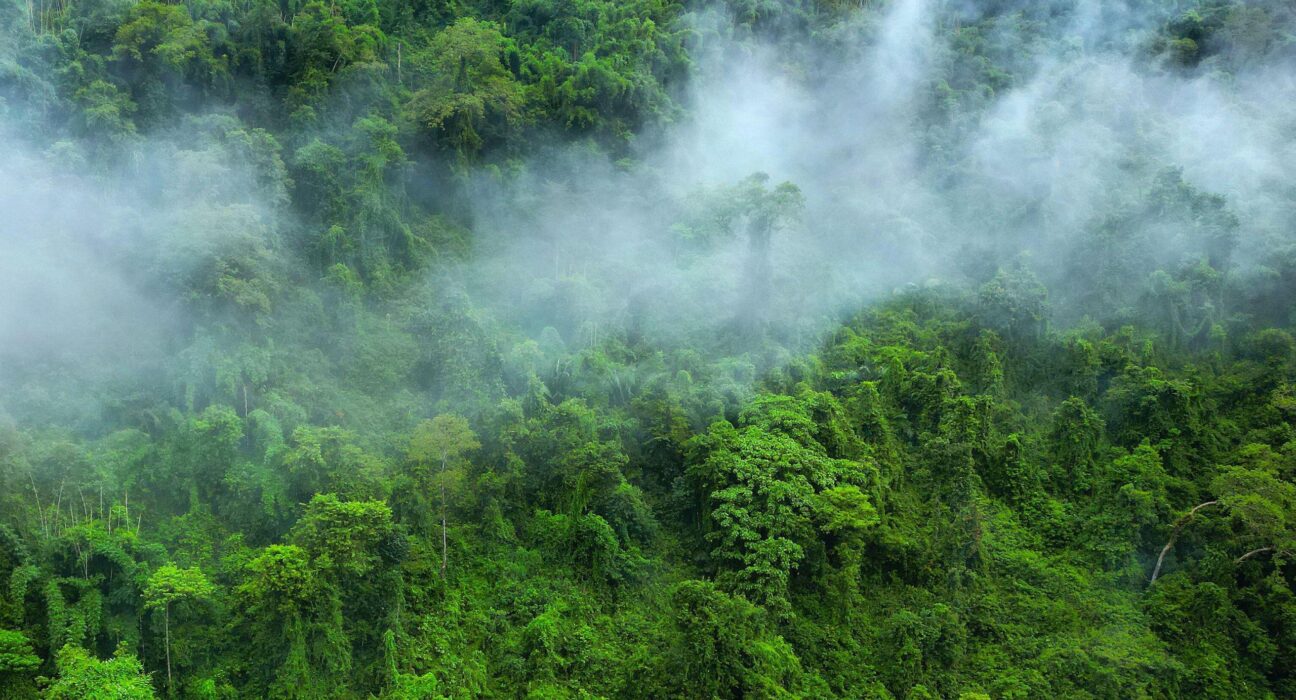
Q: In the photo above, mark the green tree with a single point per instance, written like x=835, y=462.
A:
x=169, y=586
x=725, y=649
x=18, y=664
x=1259, y=506
x=1015, y=304
x=161, y=49
x=441, y=440
x=84, y=677
x=320, y=45
x=471, y=100
x=291, y=624
x=760, y=491
x=356, y=550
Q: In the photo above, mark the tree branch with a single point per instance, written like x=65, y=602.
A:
x=1254, y=552
x=1174, y=535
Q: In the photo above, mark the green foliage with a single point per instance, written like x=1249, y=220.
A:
x=960, y=490
x=441, y=439
x=290, y=619
x=170, y=584
x=84, y=677
x=472, y=100
x=725, y=649
x=18, y=664
x=344, y=538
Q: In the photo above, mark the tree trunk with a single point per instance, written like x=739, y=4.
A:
x=166, y=628
x=1174, y=535
x=443, y=516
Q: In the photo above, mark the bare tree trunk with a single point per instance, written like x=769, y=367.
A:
x=166, y=628
x=39, y=511
x=58, y=509
x=443, y=516
x=1174, y=535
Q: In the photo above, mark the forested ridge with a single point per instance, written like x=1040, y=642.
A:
x=579, y=348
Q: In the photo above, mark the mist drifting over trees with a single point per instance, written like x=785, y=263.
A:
x=576, y=348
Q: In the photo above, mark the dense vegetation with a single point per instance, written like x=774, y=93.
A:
x=304, y=394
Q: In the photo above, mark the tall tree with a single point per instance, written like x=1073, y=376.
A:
x=168, y=586
x=442, y=440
